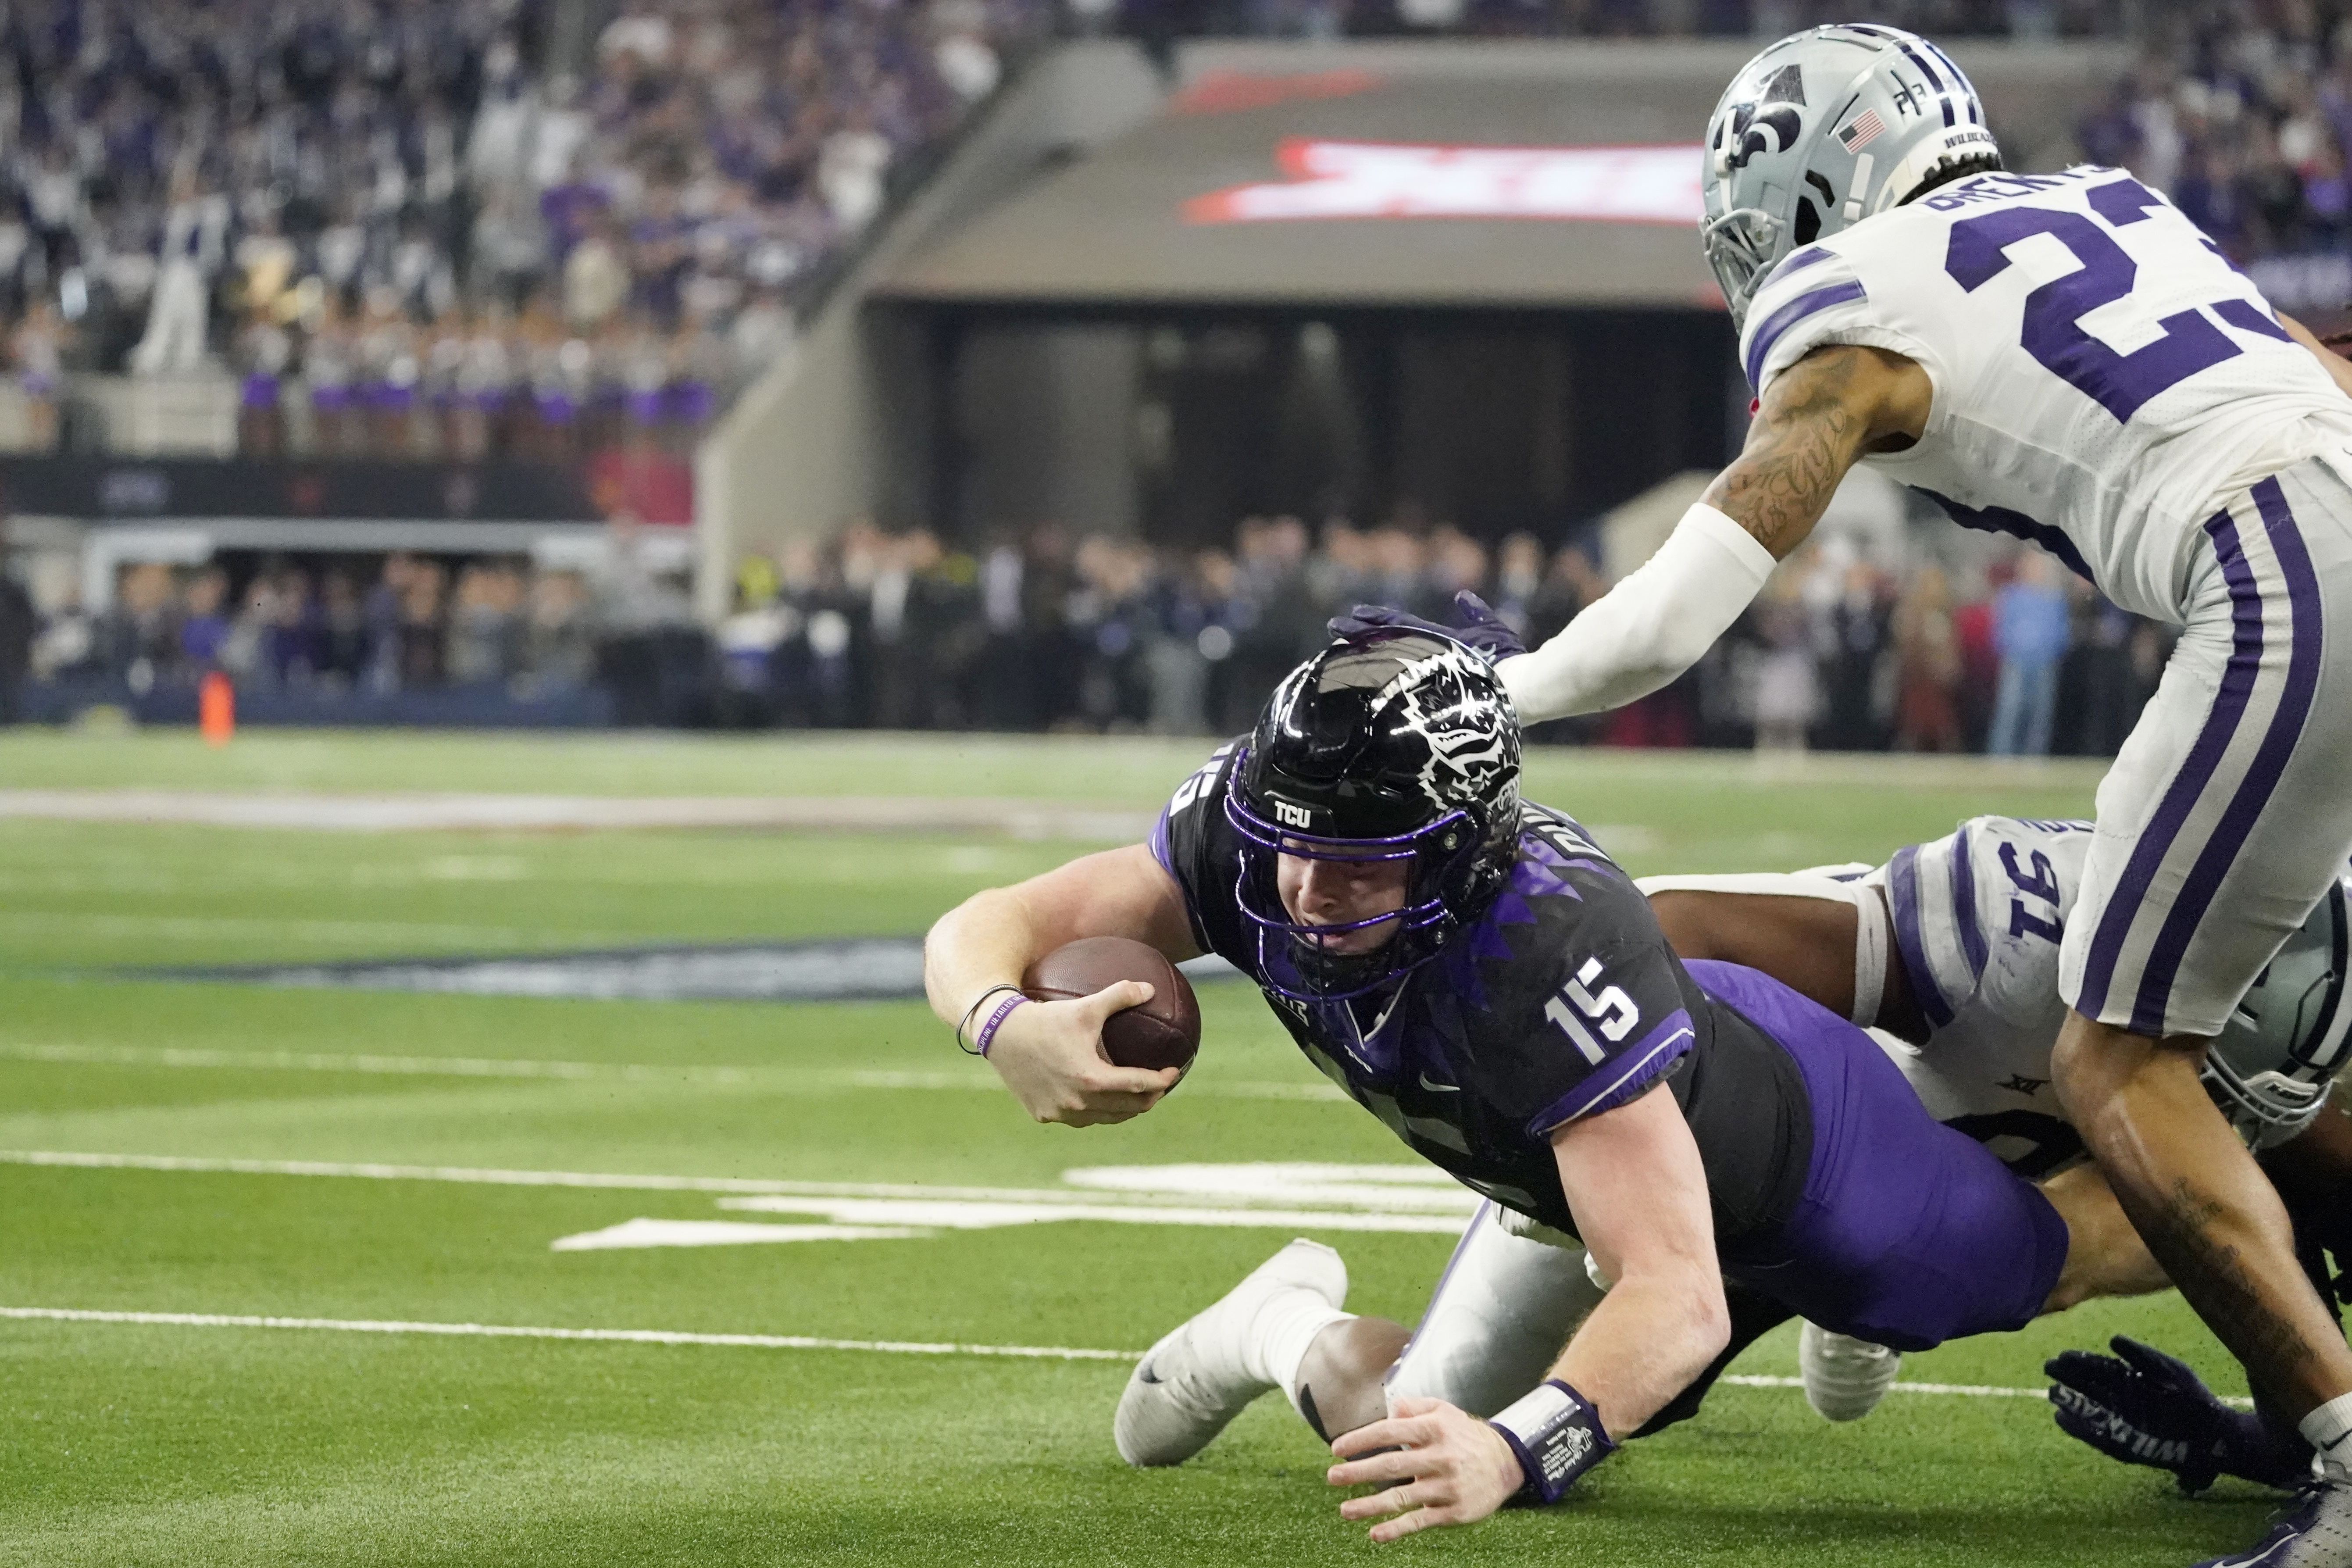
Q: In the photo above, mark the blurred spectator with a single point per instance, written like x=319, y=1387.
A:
x=37, y=347
x=204, y=627
x=1927, y=654
x=1788, y=685
x=194, y=243
x=2031, y=631
x=19, y=626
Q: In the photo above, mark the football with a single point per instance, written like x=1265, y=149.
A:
x=1164, y=1032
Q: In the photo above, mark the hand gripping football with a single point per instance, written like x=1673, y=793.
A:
x=1164, y=1032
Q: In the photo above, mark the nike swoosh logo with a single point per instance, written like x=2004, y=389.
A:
x=1439, y=1088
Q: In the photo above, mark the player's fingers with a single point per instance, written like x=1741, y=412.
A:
x=1396, y=1432
x=1391, y=1465
x=1404, y=1524
x=1116, y=997
x=1414, y=1405
x=2150, y=1362
x=1396, y=1499
x=1123, y=1088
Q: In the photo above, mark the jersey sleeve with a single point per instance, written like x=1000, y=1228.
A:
x=1817, y=296
x=1189, y=840
x=1600, y=1009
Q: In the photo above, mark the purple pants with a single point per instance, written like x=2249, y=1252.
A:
x=1909, y=1234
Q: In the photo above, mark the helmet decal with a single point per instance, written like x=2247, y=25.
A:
x=1772, y=123
x=1468, y=728
x=1387, y=746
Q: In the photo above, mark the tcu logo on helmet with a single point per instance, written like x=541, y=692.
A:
x=1291, y=816
x=1772, y=123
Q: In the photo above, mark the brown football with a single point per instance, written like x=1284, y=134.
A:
x=1164, y=1032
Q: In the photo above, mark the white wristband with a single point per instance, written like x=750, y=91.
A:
x=1649, y=629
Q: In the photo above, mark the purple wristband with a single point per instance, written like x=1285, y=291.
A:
x=987, y=1031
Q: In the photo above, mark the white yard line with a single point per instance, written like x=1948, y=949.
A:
x=445, y=813
x=511, y=1332
x=196, y=1056
x=773, y=1341
x=625, y=1181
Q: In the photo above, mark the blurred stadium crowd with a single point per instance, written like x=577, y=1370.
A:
x=376, y=208
x=1094, y=634
x=408, y=235
x=1099, y=634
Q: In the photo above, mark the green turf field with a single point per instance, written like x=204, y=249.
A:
x=349, y=1157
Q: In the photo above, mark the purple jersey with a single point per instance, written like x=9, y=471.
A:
x=1560, y=999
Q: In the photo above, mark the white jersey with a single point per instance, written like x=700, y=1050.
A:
x=1977, y=917
x=2103, y=379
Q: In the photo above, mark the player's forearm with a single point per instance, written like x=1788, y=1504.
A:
x=1648, y=629
x=988, y=940
x=1644, y=1344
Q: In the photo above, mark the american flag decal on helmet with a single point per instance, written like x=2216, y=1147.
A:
x=1861, y=132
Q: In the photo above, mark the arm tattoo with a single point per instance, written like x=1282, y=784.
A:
x=2218, y=1283
x=1798, y=450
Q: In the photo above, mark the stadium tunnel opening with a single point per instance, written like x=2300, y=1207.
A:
x=1172, y=424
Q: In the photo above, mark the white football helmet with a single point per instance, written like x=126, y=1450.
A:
x=1822, y=130
x=2272, y=1065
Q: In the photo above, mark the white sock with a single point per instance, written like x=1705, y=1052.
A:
x=1285, y=1329
x=2328, y=1429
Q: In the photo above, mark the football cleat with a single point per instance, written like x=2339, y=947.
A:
x=2316, y=1533
x=1844, y=1377
x=1199, y=1376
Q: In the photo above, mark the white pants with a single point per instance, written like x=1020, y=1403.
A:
x=1497, y=1320
x=2230, y=808
x=174, y=343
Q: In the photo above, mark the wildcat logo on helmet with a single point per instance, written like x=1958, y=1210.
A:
x=1770, y=124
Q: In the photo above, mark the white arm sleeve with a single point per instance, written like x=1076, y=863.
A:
x=1649, y=629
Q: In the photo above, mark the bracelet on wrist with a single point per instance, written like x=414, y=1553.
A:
x=1556, y=1435
x=987, y=1036
x=965, y=1022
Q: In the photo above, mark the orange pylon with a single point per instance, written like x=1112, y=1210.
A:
x=216, y=708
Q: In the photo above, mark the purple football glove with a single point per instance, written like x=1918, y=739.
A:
x=2144, y=1407
x=1481, y=629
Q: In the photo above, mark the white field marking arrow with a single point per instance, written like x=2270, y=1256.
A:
x=1398, y=1198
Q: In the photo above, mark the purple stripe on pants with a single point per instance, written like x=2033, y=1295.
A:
x=1910, y=1233
x=1903, y=884
x=1483, y=1215
x=2196, y=772
x=1964, y=905
x=2196, y=896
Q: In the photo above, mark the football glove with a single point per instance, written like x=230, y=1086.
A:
x=1482, y=630
x=2144, y=1407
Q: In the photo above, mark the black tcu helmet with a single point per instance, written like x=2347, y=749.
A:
x=1392, y=745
